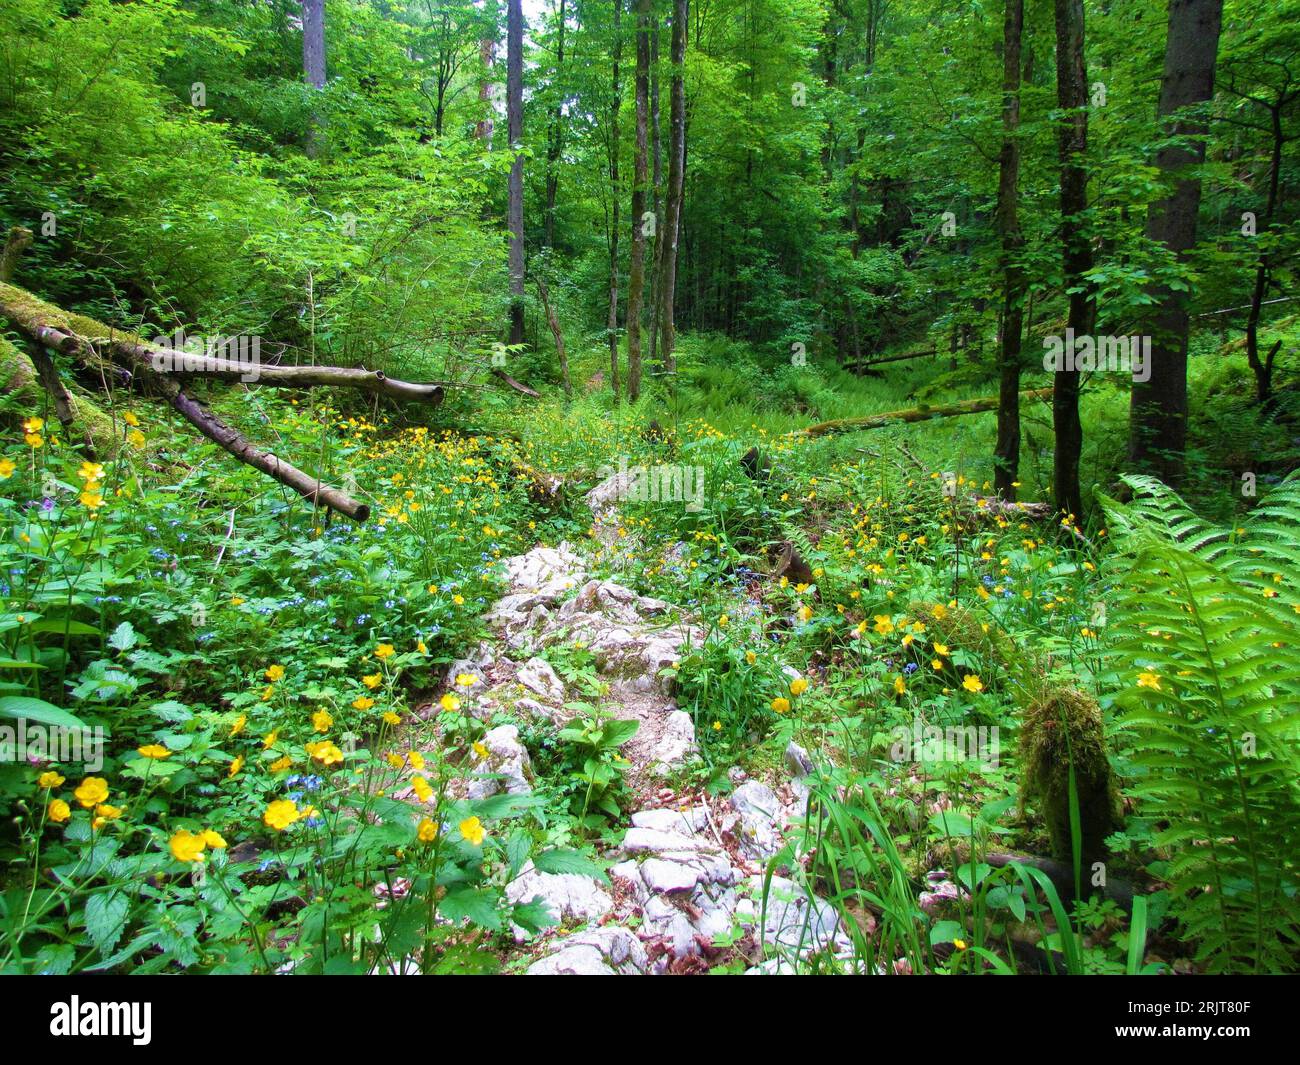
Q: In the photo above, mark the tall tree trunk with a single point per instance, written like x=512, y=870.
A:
x=1263, y=368
x=555, y=136
x=657, y=141
x=1158, y=410
x=636, y=270
x=1072, y=144
x=676, y=183
x=615, y=106
x=487, y=51
x=1006, y=456
x=313, y=62
x=515, y=131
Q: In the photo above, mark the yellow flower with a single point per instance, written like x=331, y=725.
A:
x=281, y=814
x=805, y=614
x=798, y=686
x=33, y=425
x=900, y=686
x=384, y=650
x=239, y=724
x=480, y=750
x=449, y=702
x=213, y=839
x=58, y=810
x=416, y=759
x=473, y=831
x=135, y=438
x=422, y=647
x=427, y=831
x=960, y=944
x=91, y=500
x=936, y=663
x=422, y=789
x=972, y=683
x=722, y=621
x=268, y=741
x=459, y=600
x=750, y=657
x=321, y=720
x=325, y=752
x=107, y=813
x=131, y=419
x=781, y=704
x=50, y=779
x=153, y=750
x=394, y=760
x=391, y=718
x=361, y=702
x=884, y=625
x=275, y=673
x=941, y=649
x=235, y=767
x=466, y=680
x=92, y=791
x=717, y=726
x=6, y=469
x=34, y=440
x=186, y=846
x=281, y=764
x=236, y=600
x=372, y=680
x=1149, y=680
x=91, y=472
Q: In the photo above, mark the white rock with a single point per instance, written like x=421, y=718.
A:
x=795, y=920
x=653, y=841
x=509, y=763
x=758, y=814
x=683, y=822
x=539, y=677
x=569, y=896
x=676, y=745
x=608, y=951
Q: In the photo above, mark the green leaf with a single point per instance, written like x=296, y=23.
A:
x=106, y=914
x=564, y=860
x=30, y=709
x=478, y=905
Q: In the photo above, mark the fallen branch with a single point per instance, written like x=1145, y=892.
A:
x=864, y=364
x=88, y=341
x=518, y=386
x=554, y=323
x=916, y=414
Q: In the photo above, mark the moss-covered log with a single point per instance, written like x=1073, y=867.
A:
x=917, y=414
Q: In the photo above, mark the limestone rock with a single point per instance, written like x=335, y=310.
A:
x=608, y=951
x=507, y=761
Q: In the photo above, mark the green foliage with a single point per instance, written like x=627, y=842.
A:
x=1210, y=679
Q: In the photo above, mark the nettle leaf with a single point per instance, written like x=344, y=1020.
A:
x=563, y=860
x=478, y=905
x=106, y=915
x=124, y=637
x=533, y=916
x=24, y=707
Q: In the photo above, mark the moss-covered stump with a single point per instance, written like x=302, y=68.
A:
x=1062, y=728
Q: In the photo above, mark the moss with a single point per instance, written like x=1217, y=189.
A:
x=963, y=627
x=1060, y=727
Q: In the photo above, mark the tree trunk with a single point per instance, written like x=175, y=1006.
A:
x=313, y=61
x=515, y=132
x=555, y=135
x=554, y=323
x=636, y=270
x=616, y=104
x=917, y=414
x=1263, y=369
x=1006, y=455
x=1158, y=407
x=676, y=183
x=656, y=141
x=1072, y=144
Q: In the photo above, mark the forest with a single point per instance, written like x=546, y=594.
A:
x=649, y=487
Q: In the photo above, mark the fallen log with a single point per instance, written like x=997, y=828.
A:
x=864, y=364
x=98, y=347
x=916, y=414
x=518, y=386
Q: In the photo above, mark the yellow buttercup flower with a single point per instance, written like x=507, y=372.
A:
x=750, y=657
x=321, y=720
x=972, y=683
x=449, y=702
x=131, y=419
x=268, y=741
x=798, y=686
x=239, y=724
x=58, y=810
x=384, y=650
x=281, y=764
x=153, y=750
x=213, y=839
x=427, y=831
x=391, y=718
x=92, y=791
x=781, y=704
x=422, y=788
x=280, y=814
x=473, y=831
x=186, y=846
x=49, y=779
x=325, y=752
x=361, y=702
x=373, y=680
x=900, y=686
x=235, y=767
x=416, y=759
x=1149, y=680
x=466, y=680
x=275, y=673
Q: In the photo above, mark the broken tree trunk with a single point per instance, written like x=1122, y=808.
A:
x=97, y=347
x=917, y=414
x=554, y=323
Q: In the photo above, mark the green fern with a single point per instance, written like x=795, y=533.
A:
x=1207, y=619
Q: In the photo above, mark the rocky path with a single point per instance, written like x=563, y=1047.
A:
x=688, y=872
